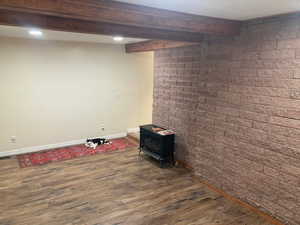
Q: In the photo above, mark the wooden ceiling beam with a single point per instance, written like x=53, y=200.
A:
x=14, y=18
x=153, y=45
x=107, y=11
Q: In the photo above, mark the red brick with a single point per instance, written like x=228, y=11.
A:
x=295, y=94
x=291, y=43
x=261, y=126
x=235, y=108
x=228, y=111
x=293, y=170
x=297, y=74
x=271, y=171
x=285, y=122
x=254, y=116
x=275, y=73
x=239, y=121
x=260, y=45
x=278, y=54
x=285, y=112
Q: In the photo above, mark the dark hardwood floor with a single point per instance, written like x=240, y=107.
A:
x=115, y=188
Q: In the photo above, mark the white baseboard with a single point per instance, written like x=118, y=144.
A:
x=53, y=146
x=133, y=130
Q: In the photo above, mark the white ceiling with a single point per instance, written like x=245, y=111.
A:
x=22, y=32
x=229, y=9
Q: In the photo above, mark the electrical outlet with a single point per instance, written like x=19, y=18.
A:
x=101, y=127
x=13, y=139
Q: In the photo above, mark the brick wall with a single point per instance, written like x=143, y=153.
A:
x=235, y=106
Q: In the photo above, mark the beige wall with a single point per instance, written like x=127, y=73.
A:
x=52, y=92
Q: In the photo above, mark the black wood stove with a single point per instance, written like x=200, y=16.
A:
x=158, y=143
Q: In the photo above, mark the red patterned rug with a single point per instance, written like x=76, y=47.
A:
x=60, y=154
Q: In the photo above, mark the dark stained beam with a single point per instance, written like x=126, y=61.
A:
x=153, y=45
x=107, y=11
x=14, y=18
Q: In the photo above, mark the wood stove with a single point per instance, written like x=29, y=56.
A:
x=158, y=143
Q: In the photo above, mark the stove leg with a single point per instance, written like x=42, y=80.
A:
x=161, y=164
x=173, y=160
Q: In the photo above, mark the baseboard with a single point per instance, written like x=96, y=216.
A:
x=268, y=217
x=53, y=146
x=184, y=164
x=133, y=130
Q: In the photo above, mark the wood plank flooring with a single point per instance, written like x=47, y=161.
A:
x=117, y=188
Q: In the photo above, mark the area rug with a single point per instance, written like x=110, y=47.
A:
x=61, y=154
